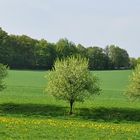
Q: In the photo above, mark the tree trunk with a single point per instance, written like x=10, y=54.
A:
x=71, y=107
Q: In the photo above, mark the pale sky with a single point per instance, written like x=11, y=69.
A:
x=89, y=22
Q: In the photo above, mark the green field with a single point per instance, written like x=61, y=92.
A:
x=26, y=112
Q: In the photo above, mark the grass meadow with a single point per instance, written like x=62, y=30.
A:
x=27, y=112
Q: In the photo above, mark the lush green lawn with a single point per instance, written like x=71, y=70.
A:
x=26, y=112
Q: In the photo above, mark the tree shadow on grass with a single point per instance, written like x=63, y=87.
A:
x=33, y=110
x=110, y=114
x=96, y=114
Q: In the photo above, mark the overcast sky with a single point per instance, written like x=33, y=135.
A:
x=89, y=22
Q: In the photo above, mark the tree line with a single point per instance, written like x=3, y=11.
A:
x=24, y=52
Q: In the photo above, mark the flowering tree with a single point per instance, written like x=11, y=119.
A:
x=70, y=80
x=133, y=90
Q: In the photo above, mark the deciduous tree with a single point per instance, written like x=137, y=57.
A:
x=133, y=90
x=3, y=74
x=70, y=80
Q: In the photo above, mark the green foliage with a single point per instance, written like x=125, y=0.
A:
x=46, y=54
x=119, y=57
x=133, y=90
x=24, y=52
x=133, y=62
x=4, y=49
x=97, y=58
x=71, y=80
x=81, y=50
x=65, y=48
x=138, y=60
x=3, y=74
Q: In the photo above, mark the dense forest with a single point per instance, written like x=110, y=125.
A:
x=23, y=52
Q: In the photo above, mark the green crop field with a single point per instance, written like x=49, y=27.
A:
x=27, y=112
